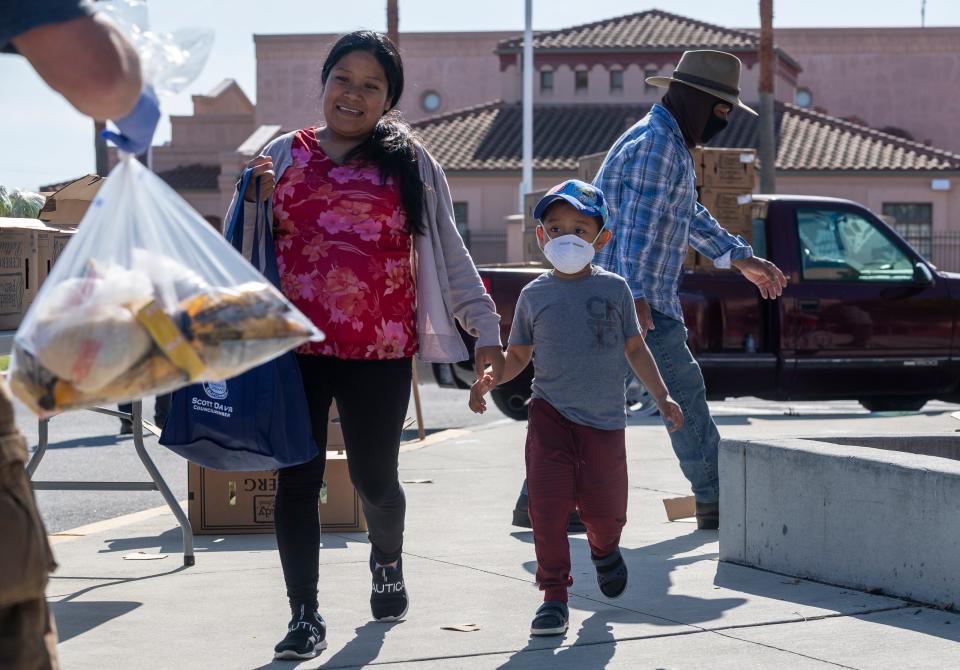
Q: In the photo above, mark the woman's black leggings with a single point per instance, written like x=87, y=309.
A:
x=372, y=399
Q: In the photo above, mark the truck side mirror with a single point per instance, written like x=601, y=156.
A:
x=922, y=274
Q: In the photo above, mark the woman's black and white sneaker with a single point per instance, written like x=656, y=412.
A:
x=388, y=596
x=306, y=637
x=551, y=619
x=611, y=574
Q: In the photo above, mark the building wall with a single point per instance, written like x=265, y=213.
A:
x=211, y=131
x=207, y=203
x=490, y=200
x=460, y=67
x=635, y=88
x=874, y=191
x=903, y=77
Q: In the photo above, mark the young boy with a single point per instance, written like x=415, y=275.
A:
x=581, y=322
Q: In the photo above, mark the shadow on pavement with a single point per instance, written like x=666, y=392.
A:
x=93, y=441
x=75, y=618
x=364, y=648
x=170, y=542
x=898, y=614
x=650, y=569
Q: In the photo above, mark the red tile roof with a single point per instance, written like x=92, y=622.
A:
x=489, y=138
x=652, y=29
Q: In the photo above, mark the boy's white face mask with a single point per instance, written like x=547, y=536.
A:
x=569, y=253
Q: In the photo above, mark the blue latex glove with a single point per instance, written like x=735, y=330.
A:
x=137, y=127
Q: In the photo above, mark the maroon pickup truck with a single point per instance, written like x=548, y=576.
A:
x=864, y=316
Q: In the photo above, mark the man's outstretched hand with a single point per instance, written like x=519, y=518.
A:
x=767, y=276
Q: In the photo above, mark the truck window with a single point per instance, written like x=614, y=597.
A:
x=842, y=245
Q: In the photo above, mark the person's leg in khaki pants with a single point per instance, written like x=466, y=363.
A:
x=27, y=634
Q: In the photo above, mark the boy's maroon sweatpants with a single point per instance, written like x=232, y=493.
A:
x=572, y=466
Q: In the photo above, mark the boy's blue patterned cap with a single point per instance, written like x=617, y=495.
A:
x=586, y=198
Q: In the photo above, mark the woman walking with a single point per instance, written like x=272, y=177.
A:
x=367, y=247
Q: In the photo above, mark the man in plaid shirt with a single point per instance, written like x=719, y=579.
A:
x=648, y=179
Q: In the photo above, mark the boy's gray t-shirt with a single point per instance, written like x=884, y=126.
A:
x=577, y=328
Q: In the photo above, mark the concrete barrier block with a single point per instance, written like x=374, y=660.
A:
x=862, y=517
x=732, y=468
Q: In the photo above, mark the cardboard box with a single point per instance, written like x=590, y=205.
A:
x=51, y=241
x=67, y=206
x=680, y=508
x=733, y=169
x=233, y=503
x=19, y=277
x=733, y=209
x=229, y=503
x=697, y=154
x=589, y=166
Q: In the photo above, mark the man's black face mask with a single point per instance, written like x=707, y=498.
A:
x=693, y=111
x=714, y=125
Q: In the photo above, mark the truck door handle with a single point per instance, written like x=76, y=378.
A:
x=808, y=305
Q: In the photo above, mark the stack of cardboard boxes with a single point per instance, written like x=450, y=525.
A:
x=30, y=247
x=231, y=503
x=725, y=180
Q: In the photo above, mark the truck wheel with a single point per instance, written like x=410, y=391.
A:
x=893, y=404
x=511, y=402
x=639, y=400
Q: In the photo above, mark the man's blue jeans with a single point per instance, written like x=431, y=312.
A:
x=697, y=442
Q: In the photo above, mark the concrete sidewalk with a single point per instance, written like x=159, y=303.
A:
x=465, y=564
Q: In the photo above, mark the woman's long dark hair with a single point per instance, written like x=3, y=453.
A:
x=392, y=144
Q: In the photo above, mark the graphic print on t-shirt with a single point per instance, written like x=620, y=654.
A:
x=604, y=321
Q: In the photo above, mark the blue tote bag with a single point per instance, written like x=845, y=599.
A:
x=258, y=420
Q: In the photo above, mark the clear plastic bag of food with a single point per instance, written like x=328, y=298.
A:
x=146, y=298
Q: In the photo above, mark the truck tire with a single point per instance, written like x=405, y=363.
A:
x=893, y=403
x=639, y=400
x=511, y=401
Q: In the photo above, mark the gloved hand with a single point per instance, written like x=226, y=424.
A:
x=137, y=127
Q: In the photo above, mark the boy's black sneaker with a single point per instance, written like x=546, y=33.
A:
x=388, y=596
x=551, y=619
x=611, y=574
x=306, y=637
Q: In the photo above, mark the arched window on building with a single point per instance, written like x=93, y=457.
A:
x=546, y=80
x=581, y=79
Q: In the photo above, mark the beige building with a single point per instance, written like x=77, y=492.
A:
x=463, y=92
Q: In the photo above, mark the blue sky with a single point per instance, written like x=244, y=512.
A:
x=44, y=140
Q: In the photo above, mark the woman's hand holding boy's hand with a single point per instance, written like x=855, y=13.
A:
x=671, y=411
x=492, y=356
x=479, y=389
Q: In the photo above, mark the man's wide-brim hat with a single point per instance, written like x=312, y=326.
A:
x=713, y=72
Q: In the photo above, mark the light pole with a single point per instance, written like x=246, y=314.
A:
x=393, y=22
x=768, y=142
x=526, y=184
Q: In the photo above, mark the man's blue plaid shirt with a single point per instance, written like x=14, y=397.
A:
x=649, y=183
